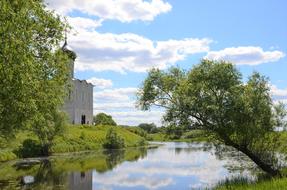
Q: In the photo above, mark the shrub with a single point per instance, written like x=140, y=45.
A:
x=6, y=155
x=138, y=131
x=141, y=142
x=103, y=119
x=113, y=140
x=30, y=148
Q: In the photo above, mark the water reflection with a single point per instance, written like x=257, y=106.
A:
x=172, y=166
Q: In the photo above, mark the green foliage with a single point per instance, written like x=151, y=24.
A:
x=174, y=132
x=6, y=155
x=142, y=142
x=212, y=97
x=138, y=131
x=113, y=140
x=47, y=126
x=148, y=127
x=30, y=148
x=74, y=139
x=33, y=75
x=103, y=119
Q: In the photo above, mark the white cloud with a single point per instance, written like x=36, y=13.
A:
x=114, y=105
x=275, y=91
x=114, y=95
x=135, y=117
x=100, y=83
x=130, y=52
x=247, y=55
x=127, y=51
x=120, y=104
x=125, y=180
x=84, y=23
x=279, y=95
x=122, y=10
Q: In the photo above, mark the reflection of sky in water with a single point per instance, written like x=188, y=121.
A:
x=173, y=166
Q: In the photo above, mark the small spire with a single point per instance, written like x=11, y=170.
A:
x=65, y=43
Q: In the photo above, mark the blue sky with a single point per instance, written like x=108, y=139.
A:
x=118, y=41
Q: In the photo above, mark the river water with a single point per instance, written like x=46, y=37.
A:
x=172, y=165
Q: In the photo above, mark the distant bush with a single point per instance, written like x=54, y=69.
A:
x=103, y=119
x=138, y=131
x=173, y=132
x=142, y=142
x=194, y=134
x=113, y=140
x=149, y=127
x=30, y=148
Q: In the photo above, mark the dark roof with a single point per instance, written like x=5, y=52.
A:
x=70, y=53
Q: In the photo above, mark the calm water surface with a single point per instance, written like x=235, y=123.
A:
x=170, y=166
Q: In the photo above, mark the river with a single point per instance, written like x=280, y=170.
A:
x=172, y=165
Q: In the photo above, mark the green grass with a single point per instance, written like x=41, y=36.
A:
x=190, y=136
x=277, y=183
x=76, y=138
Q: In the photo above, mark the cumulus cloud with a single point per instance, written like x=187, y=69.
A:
x=279, y=95
x=122, y=10
x=114, y=95
x=135, y=117
x=120, y=104
x=247, y=55
x=125, y=180
x=130, y=52
x=100, y=83
x=79, y=23
x=114, y=105
x=275, y=91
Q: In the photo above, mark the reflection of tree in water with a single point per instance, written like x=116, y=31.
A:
x=115, y=157
x=236, y=162
x=48, y=176
x=194, y=147
x=56, y=172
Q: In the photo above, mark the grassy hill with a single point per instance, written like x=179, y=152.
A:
x=76, y=138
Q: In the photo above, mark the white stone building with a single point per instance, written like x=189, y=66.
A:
x=79, y=103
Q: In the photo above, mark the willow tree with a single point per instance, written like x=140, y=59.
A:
x=33, y=69
x=212, y=97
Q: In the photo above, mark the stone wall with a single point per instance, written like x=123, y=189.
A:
x=79, y=103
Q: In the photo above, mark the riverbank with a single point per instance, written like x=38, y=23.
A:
x=76, y=138
x=190, y=136
x=276, y=183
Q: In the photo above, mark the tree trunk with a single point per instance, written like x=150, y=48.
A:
x=45, y=150
x=255, y=158
x=259, y=162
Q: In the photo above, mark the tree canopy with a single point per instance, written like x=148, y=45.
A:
x=213, y=97
x=148, y=127
x=103, y=119
x=33, y=68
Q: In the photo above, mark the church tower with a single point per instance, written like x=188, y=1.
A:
x=79, y=104
x=72, y=56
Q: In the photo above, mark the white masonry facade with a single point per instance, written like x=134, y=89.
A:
x=79, y=103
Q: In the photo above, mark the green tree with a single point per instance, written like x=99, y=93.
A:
x=174, y=132
x=113, y=140
x=148, y=127
x=33, y=70
x=212, y=96
x=103, y=119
